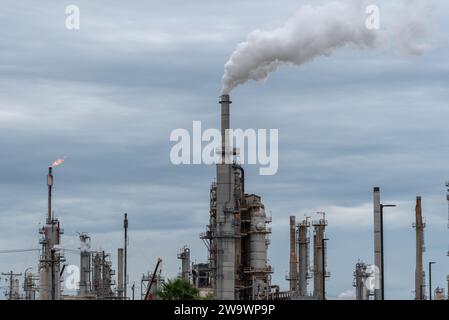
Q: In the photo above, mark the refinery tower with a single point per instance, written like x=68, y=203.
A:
x=237, y=234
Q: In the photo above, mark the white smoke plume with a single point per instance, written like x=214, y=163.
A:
x=315, y=31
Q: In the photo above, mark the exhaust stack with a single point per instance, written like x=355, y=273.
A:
x=225, y=125
x=226, y=230
x=377, y=244
x=50, y=186
x=419, y=271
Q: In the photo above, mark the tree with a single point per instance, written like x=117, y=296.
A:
x=178, y=289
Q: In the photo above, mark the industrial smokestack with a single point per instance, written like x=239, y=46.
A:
x=225, y=126
x=377, y=244
x=419, y=271
x=226, y=230
x=50, y=186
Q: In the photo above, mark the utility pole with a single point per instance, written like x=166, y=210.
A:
x=382, y=271
x=430, y=279
x=11, y=276
x=125, y=227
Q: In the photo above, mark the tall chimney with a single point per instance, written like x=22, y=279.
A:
x=225, y=230
x=225, y=125
x=50, y=185
x=419, y=271
x=377, y=244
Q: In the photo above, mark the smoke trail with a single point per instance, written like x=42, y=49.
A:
x=312, y=32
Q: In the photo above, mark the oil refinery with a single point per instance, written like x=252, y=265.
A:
x=230, y=151
x=237, y=242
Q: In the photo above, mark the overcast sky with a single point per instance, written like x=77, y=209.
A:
x=108, y=95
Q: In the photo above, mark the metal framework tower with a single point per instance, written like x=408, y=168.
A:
x=419, y=226
x=102, y=276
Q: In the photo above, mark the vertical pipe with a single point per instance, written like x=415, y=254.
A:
x=50, y=185
x=120, y=273
x=225, y=125
x=382, y=271
x=225, y=219
x=318, y=262
x=125, y=226
x=303, y=256
x=377, y=243
x=53, y=291
x=419, y=272
x=324, y=267
x=293, y=258
x=430, y=280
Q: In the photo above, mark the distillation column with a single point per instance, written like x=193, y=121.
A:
x=361, y=276
x=225, y=227
x=303, y=256
x=85, y=263
x=377, y=244
x=258, y=247
x=419, y=271
x=293, y=275
x=319, y=259
x=184, y=256
x=28, y=287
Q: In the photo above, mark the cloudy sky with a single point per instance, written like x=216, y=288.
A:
x=108, y=95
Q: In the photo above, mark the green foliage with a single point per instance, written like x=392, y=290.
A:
x=178, y=289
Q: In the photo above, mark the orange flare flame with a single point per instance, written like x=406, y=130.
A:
x=57, y=162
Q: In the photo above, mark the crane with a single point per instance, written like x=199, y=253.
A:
x=148, y=293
